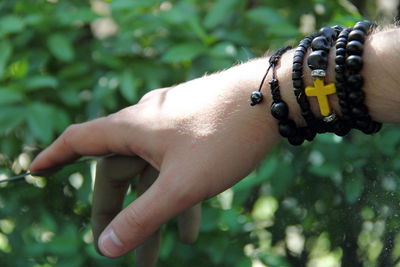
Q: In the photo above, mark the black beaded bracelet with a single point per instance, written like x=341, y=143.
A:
x=358, y=111
x=280, y=111
x=298, y=85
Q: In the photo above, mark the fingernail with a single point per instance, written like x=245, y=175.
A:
x=110, y=245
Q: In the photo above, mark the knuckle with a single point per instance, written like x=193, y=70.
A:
x=134, y=220
x=68, y=134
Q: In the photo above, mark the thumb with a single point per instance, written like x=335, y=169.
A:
x=166, y=198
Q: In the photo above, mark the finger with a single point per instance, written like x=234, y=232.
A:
x=96, y=137
x=147, y=253
x=112, y=180
x=164, y=199
x=189, y=224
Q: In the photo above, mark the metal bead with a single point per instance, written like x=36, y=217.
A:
x=318, y=73
x=256, y=98
x=280, y=110
x=318, y=60
x=330, y=118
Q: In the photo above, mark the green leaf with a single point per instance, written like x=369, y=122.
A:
x=11, y=24
x=60, y=46
x=8, y=96
x=5, y=54
x=183, y=52
x=41, y=82
x=266, y=16
x=11, y=117
x=220, y=11
x=40, y=118
x=128, y=88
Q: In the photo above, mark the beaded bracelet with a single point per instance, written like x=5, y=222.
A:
x=280, y=111
x=297, y=78
x=359, y=116
x=340, y=80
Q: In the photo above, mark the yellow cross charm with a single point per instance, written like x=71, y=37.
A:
x=321, y=91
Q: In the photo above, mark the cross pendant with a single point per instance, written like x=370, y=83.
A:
x=321, y=91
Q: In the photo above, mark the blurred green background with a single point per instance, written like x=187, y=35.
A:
x=331, y=202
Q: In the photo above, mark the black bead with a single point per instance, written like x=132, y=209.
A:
x=341, y=78
x=357, y=35
x=309, y=134
x=356, y=97
x=297, y=83
x=370, y=129
x=338, y=28
x=287, y=129
x=355, y=81
x=298, y=59
x=341, y=129
x=341, y=51
x=342, y=102
x=328, y=33
x=298, y=53
x=340, y=59
x=297, y=67
x=359, y=111
x=280, y=110
x=296, y=140
x=354, y=63
x=296, y=75
x=318, y=60
x=341, y=94
x=339, y=68
x=340, y=45
x=320, y=43
x=363, y=26
x=256, y=98
x=355, y=48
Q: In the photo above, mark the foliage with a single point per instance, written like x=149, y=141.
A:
x=333, y=200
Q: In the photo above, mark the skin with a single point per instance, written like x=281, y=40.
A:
x=203, y=136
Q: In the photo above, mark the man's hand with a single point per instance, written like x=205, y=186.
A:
x=202, y=136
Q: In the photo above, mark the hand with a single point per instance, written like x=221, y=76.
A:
x=202, y=136
x=113, y=177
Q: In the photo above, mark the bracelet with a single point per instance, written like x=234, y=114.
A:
x=257, y=97
x=359, y=117
x=297, y=78
x=280, y=110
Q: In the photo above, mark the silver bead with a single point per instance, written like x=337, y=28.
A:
x=318, y=73
x=330, y=118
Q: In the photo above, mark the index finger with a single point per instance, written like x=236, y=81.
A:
x=96, y=137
